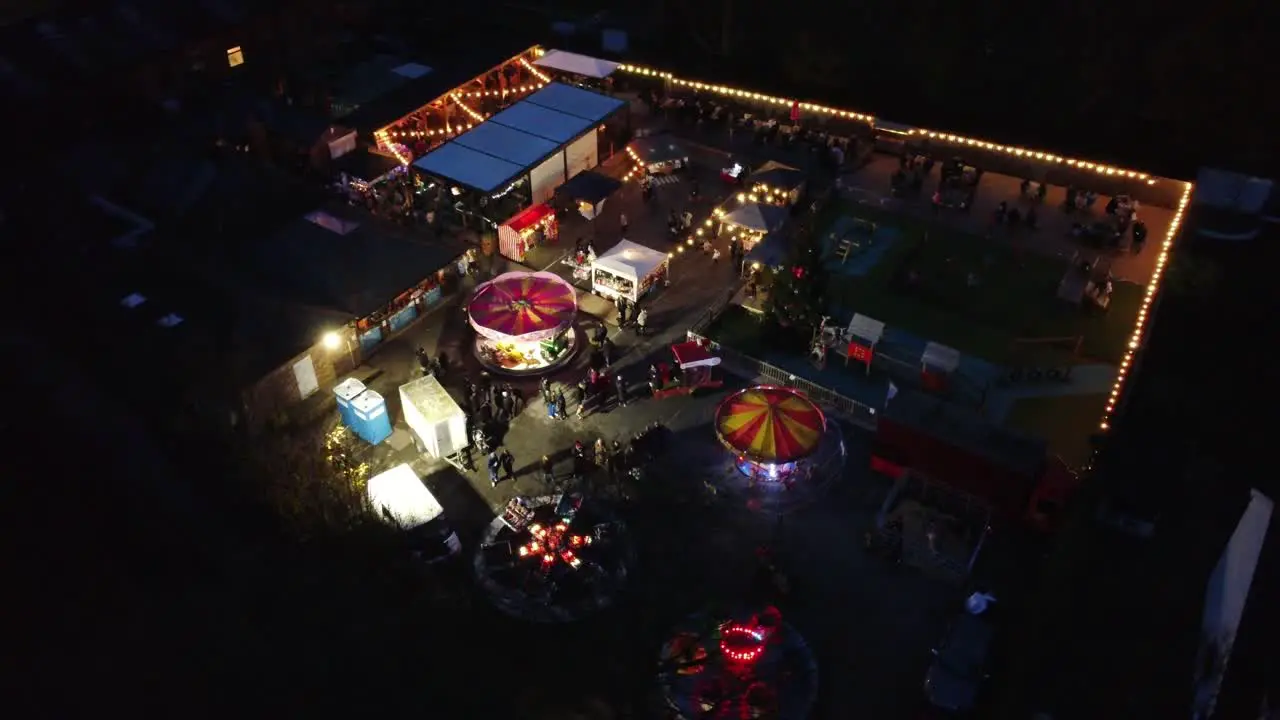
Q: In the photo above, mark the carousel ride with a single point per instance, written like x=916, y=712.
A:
x=749, y=665
x=524, y=322
x=771, y=430
x=550, y=559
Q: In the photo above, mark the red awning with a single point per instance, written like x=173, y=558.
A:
x=692, y=354
x=530, y=217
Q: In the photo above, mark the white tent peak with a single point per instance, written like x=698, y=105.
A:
x=577, y=64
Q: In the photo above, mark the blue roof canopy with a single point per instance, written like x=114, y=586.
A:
x=575, y=101
x=465, y=166
x=557, y=127
x=506, y=143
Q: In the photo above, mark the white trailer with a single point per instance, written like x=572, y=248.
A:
x=439, y=425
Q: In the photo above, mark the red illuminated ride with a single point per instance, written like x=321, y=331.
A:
x=552, y=543
x=694, y=365
x=751, y=666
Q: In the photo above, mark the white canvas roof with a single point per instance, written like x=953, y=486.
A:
x=397, y=494
x=577, y=64
x=866, y=328
x=631, y=260
x=940, y=356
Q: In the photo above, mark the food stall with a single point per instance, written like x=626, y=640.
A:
x=694, y=363
x=658, y=154
x=586, y=193
x=629, y=270
x=777, y=184
x=748, y=223
x=527, y=229
x=524, y=322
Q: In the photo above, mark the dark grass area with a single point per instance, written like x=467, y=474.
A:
x=1063, y=420
x=1014, y=300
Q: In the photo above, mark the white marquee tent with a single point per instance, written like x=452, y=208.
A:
x=577, y=64
x=631, y=262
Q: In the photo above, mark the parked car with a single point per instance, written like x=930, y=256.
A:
x=960, y=664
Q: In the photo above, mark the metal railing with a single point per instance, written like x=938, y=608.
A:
x=846, y=407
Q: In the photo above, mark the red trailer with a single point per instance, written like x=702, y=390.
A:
x=693, y=370
x=956, y=446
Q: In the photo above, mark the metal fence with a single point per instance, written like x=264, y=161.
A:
x=846, y=407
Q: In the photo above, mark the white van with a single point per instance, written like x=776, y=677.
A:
x=400, y=498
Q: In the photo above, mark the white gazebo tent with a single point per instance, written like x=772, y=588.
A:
x=576, y=64
x=628, y=270
x=399, y=497
x=436, y=420
x=864, y=334
x=937, y=364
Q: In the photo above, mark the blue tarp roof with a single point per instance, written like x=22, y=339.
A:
x=557, y=127
x=771, y=251
x=474, y=169
x=576, y=101
x=506, y=143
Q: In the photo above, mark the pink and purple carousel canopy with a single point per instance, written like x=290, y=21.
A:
x=523, y=307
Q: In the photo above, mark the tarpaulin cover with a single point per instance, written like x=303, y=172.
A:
x=523, y=306
x=770, y=424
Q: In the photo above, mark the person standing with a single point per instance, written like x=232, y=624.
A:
x=494, y=465
x=545, y=387
x=624, y=224
x=508, y=465
x=561, y=405
x=548, y=470
x=642, y=317
x=621, y=387
x=622, y=311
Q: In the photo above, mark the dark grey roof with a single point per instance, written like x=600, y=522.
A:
x=357, y=272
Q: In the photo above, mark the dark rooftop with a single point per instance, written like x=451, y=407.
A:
x=346, y=260
x=447, y=73
x=965, y=428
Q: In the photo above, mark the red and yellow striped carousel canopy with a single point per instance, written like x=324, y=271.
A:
x=523, y=306
x=769, y=424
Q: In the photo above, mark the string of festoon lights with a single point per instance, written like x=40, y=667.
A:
x=535, y=71
x=814, y=108
x=457, y=100
x=1144, y=311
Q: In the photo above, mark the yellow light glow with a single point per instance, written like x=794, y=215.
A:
x=332, y=340
x=1140, y=324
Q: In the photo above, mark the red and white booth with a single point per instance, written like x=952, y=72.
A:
x=937, y=365
x=527, y=229
x=863, y=334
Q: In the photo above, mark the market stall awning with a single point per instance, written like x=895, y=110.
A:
x=777, y=176
x=658, y=149
x=515, y=146
x=530, y=217
x=591, y=106
x=589, y=186
x=460, y=164
x=524, y=306
x=577, y=64
x=692, y=354
x=771, y=251
x=770, y=424
x=552, y=125
x=758, y=217
x=631, y=260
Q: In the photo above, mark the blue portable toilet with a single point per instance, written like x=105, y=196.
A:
x=345, y=392
x=369, y=417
